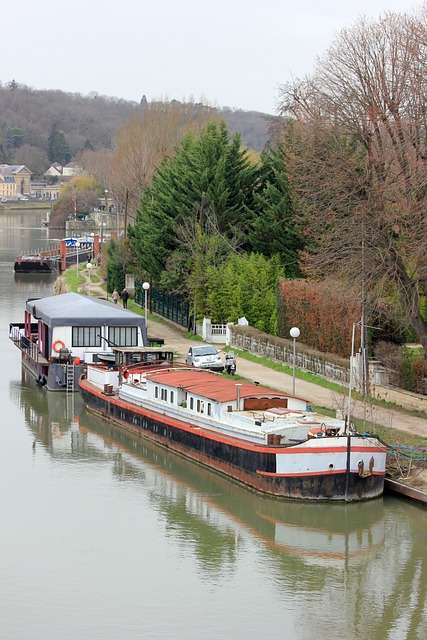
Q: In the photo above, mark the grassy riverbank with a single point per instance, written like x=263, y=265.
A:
x=27, y=205
x=402, y=465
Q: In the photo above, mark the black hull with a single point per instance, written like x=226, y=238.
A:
x=31, y=266
x=241, y=463
x=52, y=376
x=50, y=265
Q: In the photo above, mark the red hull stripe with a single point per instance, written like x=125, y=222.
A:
x=206, y=433
x=299, y=474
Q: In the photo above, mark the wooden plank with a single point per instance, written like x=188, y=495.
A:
x=392, y=486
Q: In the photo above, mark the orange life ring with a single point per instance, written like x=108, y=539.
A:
x=56, y=344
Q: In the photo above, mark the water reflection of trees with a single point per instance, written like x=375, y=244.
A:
x=363, y=562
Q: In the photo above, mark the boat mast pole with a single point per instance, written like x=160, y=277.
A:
x=347, y=426
x=363, y=325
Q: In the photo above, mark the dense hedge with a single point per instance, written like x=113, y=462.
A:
x=274, y=342
x=324, y=312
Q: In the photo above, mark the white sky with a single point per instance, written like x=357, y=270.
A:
x=232, y=53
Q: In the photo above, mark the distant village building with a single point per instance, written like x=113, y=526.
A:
x=43, y=191
x=15, y=181
x=64, y=174
x=7, y=188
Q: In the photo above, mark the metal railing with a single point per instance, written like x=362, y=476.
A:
x=22, y=342
x=170, y=306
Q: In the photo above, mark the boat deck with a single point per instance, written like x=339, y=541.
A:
x=26, y=346
x=286, y=427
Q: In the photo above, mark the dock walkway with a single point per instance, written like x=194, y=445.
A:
x=59, y=257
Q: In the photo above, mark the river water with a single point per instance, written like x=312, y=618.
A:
x=105, y=535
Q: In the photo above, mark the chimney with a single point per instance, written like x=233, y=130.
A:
x=238, y=396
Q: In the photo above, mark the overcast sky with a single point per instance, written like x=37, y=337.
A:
x=232, y=53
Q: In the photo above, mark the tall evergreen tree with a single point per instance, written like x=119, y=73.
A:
x=57, y=147
x=274, y=229
x=115, y=266
x=88, y=146
x=14, y=137
x=210, y=173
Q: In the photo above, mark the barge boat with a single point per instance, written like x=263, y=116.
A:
x=66, y=253
x=270, y=441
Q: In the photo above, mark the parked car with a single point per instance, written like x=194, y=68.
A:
x=205, y=356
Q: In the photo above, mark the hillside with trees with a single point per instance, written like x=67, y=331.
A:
x=30, y=120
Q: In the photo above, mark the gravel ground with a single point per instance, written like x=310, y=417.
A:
x=174, y=337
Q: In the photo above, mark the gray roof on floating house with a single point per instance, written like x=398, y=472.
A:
x=72, y=309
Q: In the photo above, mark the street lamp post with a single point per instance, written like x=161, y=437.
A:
x=89, y=267
x=117, y=217
x=295, y=332
x=146, y=286
x=77, y=247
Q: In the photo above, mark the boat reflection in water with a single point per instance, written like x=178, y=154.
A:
x=363, y=563
x=194, y=498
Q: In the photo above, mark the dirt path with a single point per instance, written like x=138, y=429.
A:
x=174, y=337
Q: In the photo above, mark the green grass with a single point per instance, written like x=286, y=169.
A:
x=388, y=434
x=28, y=204
x=72, y=280
x=318, y=380
x=191, y=336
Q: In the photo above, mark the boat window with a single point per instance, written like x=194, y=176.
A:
x=209, y=409
x=156, y=392
x=164, y=395
x=123, y=336
x=172, y=396
x=191, y=403
x=200, y=406
x=86, y=336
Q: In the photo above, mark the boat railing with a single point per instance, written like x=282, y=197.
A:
x=23, y=342
x=48, y=254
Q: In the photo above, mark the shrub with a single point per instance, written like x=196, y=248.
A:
x=407, y=366
x=323, y=311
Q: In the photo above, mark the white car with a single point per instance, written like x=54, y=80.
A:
x=205, y=356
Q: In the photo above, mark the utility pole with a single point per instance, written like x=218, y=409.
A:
x=126, y=212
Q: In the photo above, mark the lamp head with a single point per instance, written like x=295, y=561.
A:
x=295, y=332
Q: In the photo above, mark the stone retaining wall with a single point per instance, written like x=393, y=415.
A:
x=405, y=399
x=284, y=353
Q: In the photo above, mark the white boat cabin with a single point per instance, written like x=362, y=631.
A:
x=80, y=327
x=238, y=409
